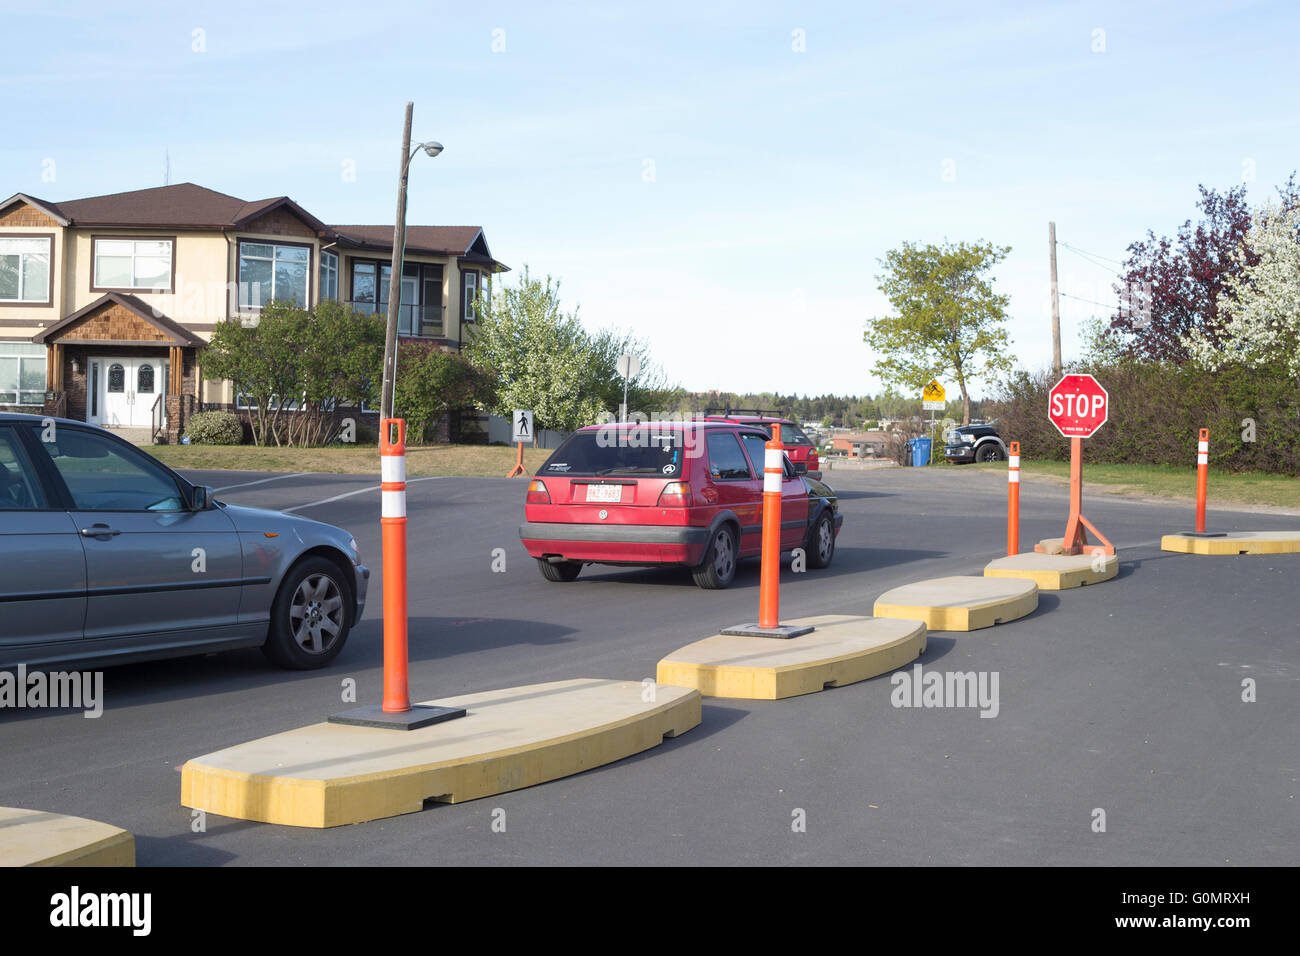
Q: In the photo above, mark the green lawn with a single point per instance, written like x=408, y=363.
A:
x=1167, y=481
x=468, y=460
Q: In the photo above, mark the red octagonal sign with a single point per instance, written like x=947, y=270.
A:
x=1078, y=406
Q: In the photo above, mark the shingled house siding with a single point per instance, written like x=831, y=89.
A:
x=280, y=222
x=23, y=215
x=115, y=324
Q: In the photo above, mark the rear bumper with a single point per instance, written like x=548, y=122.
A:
x=628, y=543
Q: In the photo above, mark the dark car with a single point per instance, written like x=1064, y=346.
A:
x=688, y=494
x=108, y=556
x=978, y=441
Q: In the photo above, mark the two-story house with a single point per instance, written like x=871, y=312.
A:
x=106, y=303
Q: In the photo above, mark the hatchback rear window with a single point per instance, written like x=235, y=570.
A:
x=611, y=451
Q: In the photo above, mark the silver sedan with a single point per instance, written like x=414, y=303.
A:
x=108, y=556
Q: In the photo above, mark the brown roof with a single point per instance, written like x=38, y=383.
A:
x=439, y=240
x=183, y=206
x=187, y=206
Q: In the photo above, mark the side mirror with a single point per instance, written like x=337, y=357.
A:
x=202, y=498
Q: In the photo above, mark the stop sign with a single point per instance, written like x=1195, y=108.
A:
x=1078, y=406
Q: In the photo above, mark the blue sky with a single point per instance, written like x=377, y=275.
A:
x=682, y=168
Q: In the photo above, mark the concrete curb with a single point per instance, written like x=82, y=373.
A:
x=1235, y=543
x=1055, y=572
x=960, y=603
x=843, y=649
x=327, y=775
x=39, y=838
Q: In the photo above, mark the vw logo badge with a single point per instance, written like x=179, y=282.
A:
x=603, y=514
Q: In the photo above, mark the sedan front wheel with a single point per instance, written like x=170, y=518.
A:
x=309, y=619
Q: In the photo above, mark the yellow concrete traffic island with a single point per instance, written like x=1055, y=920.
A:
x=960, y=603
x=1234, y=543
x=38, y=838
x=1055, y=572
x=330, y=774
x=843, y=649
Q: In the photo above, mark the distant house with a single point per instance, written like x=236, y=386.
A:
x=862, y=444
x=106, y=303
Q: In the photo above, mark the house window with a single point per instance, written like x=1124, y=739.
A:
x=25, y=269
x=467, y=303
x=144, y=264
x=329, y=275
x=363, y=286
x=22, y=374
x=270, y=272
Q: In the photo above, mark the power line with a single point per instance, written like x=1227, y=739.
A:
x=1089, y=301
x=1094, y=255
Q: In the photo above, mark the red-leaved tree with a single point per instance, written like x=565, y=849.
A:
x=1171, y=286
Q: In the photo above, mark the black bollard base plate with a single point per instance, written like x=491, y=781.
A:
x=783, y=631
x=1203, y=534
x=373, y=715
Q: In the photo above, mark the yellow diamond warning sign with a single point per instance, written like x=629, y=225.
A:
x=932, y=398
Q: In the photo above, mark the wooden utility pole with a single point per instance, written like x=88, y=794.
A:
x=1056, y=302
x=395, y=273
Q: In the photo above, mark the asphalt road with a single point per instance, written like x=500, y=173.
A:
x=1125, y=696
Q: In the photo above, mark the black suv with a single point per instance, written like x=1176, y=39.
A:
x=978, y=441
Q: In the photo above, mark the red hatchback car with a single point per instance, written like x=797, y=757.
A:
x=798, y=446
x=668, y=493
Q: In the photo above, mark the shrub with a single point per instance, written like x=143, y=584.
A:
x=215, y=428
x=1156, y=411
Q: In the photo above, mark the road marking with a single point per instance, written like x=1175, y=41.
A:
x=262, y=481
x=349, y=494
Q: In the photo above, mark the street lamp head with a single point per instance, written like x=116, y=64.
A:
x=433, y=149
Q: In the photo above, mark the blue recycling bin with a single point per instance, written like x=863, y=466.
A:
x=920, y=451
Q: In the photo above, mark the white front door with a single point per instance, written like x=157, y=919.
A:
x=125, y=390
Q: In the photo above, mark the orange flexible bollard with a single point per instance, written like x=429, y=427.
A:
x=769, y=583
x=392, y=451
x=1013, y=500
x=1202, y=476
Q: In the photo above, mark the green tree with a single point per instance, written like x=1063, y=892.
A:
x=948, y=318
x=297, y=368
x=545, y=360
x=431, y=382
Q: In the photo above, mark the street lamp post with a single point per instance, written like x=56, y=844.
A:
x=395, y=268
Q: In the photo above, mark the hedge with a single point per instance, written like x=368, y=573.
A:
x=1156, y=412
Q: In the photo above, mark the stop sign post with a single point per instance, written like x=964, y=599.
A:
x=1078, y=405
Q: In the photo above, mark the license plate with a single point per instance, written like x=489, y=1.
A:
x=604, y=492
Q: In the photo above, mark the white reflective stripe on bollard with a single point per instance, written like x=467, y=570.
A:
x=392, y=468
x=1013, y=461
x=1202, y=459
x=1202, y=446
x=1013, y=477
x=771, y=482
x=772, y=459
x=392, y=504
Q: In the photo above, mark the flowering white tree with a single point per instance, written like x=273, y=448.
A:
x=1262, y=305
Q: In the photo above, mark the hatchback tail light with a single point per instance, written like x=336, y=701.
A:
x=537, y=493
x=676, y=494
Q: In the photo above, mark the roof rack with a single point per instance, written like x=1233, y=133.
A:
x=759, y=412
